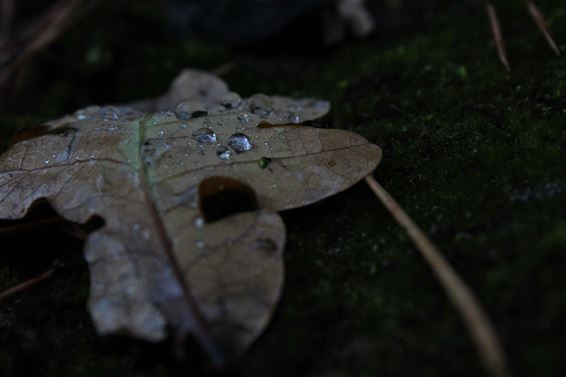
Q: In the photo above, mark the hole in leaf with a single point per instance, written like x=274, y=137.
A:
x=221, y=197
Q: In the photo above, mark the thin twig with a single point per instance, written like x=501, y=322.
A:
x=475, y=319
x=541, y=22
x=26, y=285
x=497, y=35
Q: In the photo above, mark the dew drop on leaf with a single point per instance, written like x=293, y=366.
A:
x=81, y=115
x=231, y=100
x=109, y=113
x=244, y=118
x=261, y=104
x=205, y=136
x=223, y=153
x=240, y=143
x=267, y=245
x=190, y=109
x=294, y=119
x=199, y=222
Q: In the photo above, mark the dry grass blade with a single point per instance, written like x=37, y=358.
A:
x=26, y=285
x=475, y=318
x=497, y=35
x=540, y=21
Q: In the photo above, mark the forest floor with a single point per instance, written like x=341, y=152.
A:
x=475, y=155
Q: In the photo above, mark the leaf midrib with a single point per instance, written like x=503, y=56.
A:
x=200, y=328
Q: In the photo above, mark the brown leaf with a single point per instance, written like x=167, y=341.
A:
x=192, y=242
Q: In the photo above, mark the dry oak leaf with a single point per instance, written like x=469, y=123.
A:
x=192, y=242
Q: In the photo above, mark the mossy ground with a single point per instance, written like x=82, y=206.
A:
x=475, y=155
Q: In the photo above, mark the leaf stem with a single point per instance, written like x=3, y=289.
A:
x=476, y=320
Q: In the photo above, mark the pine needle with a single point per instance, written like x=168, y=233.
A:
x=473, y=315
x=26, y=285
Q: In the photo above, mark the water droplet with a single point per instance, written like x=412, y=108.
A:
x=161, y=133
x=244, y=118
x=231, y=100
x=205, y=136
x=294, y=119
x=199, y=244
x=261, y=104
x=110, y=113
x=190, y=109
x=81, y=115
x=199, y=222
x=223, y=153
x=240, y=143
x=267, y=245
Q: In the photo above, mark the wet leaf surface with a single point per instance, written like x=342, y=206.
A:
x=192, y=242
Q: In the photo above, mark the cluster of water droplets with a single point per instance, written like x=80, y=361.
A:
x=204, y=136
x=258, y=105
x=107, y=113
